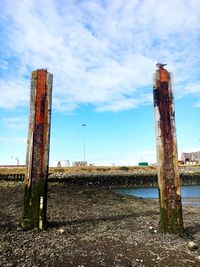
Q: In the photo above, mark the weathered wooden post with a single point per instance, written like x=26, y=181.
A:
x=167, y=159
x=37, y=158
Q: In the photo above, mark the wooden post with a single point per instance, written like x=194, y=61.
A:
x=167, y=159
x=37, y=158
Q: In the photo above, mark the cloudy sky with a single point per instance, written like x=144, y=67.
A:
x=102, y=55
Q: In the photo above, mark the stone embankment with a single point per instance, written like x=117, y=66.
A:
x=115, y=178
x=119, y=178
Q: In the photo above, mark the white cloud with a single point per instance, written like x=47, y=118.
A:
x=193, y=88
x=13, y=93
x=101, y=53
x=197, y=104
x=16, y=123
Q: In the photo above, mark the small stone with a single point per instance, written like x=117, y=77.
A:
x=155, y=231
x=150, y=227
x=192, y=246
x=61, y=230
x=198, y=258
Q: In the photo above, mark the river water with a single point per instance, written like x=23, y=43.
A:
x=187, y=192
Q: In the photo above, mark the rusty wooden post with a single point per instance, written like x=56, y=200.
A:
x=167, y=159
x=37, y=158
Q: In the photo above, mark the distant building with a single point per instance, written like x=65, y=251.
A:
x=191, y=158
x=60, y=163
x=80, y=163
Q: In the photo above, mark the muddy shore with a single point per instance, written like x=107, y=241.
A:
x=91, y=227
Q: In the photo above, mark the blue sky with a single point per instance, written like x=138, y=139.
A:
x=102, y=55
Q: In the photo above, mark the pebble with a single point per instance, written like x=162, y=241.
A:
x=61, y=230
x=192, y=245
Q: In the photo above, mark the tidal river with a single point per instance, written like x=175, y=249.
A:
x=190, y=193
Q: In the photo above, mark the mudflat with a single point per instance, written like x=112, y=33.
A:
x=91, y=227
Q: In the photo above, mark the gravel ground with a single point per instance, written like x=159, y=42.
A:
x=92, y=228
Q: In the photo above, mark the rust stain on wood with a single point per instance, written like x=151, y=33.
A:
x=37, y=149
x=39, y=135
x=167, y=158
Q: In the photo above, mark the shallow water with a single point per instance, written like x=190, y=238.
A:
x=187, y=191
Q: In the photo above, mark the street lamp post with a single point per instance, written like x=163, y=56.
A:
x=84, y=158
x=17, y=160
